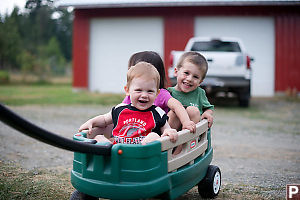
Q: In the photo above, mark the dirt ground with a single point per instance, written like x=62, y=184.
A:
x=257, y=147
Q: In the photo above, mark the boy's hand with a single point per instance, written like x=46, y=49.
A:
x=172, y=133
x=208, y=115
x=190, y=125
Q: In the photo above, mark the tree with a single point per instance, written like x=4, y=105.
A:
x=36, y=4
x=54, y=57
x=42, y=26
x=35, y=37
x=10, y=41
x=64, y=32
x=27, y=61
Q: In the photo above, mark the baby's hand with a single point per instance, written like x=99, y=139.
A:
x=86, y=126
x=190, y=125
x=172, y=133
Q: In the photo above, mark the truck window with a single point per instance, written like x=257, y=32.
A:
x=216, y=45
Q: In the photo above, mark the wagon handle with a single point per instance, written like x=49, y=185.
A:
x=17, y=122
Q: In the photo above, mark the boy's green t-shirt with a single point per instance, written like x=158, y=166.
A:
x=195, y=98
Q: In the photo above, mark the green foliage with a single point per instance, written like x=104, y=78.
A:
x=4, y=77
x=10, y=41
x=35, y=41
x=54, y=57
x=27, y=61
x=64, y=32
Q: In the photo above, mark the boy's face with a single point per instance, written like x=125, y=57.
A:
x=142, y=93
x=188, y=76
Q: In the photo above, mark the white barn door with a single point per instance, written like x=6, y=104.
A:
x=112, y=42
x=257, y=34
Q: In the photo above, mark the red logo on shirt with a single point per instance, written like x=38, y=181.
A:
x=133, y=124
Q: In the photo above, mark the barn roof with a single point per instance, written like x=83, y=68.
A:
x=164, y=3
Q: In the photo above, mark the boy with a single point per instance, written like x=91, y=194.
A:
x=141, y=121
x=190, y=72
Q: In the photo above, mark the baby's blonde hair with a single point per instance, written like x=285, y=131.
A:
x=145, y=71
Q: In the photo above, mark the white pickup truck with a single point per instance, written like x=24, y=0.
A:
x=228, y=66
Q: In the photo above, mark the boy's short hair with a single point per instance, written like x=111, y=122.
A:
x=195, y=58
x=143, y=70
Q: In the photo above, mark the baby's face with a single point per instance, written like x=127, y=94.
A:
x=142, y=93
x=188, y=76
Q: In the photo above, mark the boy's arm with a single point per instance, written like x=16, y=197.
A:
x=208, y=114
x=182, y=115
x=207, y=108
x=168, y=131
x=98, y=121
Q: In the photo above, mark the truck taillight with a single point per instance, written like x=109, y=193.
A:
x=171, y=59
x=248, y=62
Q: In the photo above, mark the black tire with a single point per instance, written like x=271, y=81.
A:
x=244, y=96
x=210, y=186
x=76, y=195
x=244, y=103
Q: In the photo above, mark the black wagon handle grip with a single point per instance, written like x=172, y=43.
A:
x=17, y=122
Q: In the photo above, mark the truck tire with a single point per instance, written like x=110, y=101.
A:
x=76, y=195
x=244, y=97
x=210, y=186
x=244, y=102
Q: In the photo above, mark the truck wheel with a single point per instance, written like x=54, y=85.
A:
x=76, y=195
x=244, y=103
x=210, y=186
x=244, y=96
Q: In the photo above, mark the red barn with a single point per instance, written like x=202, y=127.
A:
x=107, y=32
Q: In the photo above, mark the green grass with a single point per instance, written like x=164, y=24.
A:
x=53, y=94
x=18, y=183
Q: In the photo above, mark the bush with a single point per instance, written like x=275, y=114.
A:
x=4, y=76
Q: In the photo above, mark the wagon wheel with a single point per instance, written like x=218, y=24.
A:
x=209, y=187
x=76, y=195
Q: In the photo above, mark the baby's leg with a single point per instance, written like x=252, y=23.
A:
x=177, y=150
x=102, y=138
x=174, y=120
x=176, y=124
x=194, y=114
x=150, y=138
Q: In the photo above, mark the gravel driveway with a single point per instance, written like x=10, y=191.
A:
x=258, y=147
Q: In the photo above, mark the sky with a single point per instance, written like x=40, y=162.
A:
x=6, y=6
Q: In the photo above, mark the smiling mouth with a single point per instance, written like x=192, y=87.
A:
x=143, y=101
x=187, y=84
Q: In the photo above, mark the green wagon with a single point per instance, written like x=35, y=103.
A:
x=149, y=171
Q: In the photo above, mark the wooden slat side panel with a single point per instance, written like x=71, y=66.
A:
x=193, y=145
x=184, y=136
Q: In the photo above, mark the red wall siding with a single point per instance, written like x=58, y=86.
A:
x=287, y=59
x=177, y=31
x=81, y=31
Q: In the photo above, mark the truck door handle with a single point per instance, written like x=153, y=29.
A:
x=209, y=59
